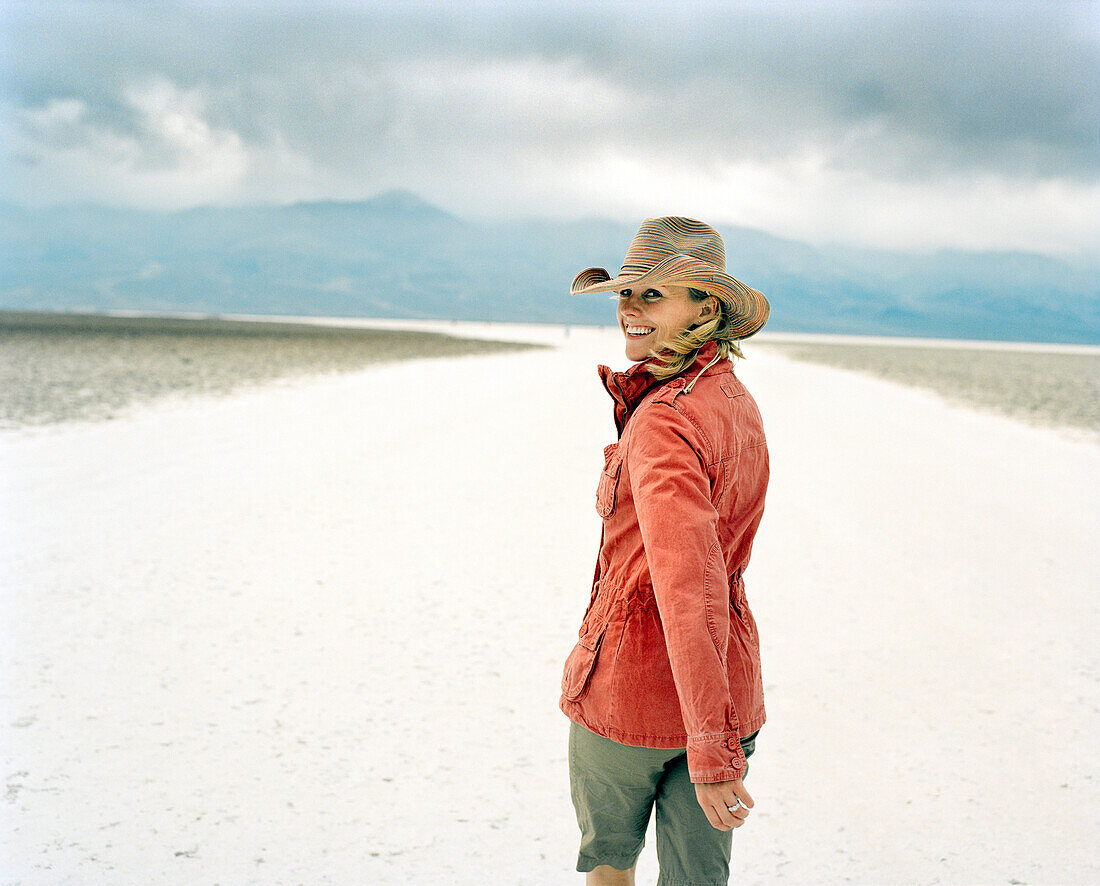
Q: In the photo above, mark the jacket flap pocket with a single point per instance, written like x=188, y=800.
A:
x=733, y=389
x=737, y=594
x=581, y=661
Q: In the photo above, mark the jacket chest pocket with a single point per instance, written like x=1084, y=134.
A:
x=609, y=480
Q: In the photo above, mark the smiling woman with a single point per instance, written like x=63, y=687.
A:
x=663, y=686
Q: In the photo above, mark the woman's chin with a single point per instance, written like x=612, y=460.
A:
x=638, y=349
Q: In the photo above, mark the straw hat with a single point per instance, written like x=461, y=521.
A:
x=683, y=252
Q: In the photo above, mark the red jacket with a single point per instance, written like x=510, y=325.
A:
x=668, y=654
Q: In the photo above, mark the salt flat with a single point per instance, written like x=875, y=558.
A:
x=312, y=633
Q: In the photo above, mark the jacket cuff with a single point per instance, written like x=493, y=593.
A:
x=717, y=757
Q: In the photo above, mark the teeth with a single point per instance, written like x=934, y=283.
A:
x=639, y=330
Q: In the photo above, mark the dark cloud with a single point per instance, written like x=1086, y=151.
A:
x=971, y=83
x=375, y=94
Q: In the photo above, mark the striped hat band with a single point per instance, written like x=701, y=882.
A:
x=682, y=252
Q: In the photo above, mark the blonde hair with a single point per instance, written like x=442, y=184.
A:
x=675, y=355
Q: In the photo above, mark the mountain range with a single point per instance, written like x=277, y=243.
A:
x=398, y=256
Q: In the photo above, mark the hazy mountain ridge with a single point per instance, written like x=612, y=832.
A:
x=398, y=256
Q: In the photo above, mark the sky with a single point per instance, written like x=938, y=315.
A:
x=901, y=125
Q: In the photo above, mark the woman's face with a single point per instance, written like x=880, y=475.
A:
x=657, y=314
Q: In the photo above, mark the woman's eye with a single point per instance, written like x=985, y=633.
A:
x=651, y=295
x=625, y=293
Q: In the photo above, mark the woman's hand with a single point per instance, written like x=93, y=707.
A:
x=716, y=798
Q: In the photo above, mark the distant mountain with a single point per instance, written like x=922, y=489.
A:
x=398, y=256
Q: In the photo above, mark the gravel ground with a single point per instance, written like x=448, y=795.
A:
x=57, y=367
x=1041, y=387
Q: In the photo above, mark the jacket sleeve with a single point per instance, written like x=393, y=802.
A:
x=679, y=526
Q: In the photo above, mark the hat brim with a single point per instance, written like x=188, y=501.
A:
x=749, y=308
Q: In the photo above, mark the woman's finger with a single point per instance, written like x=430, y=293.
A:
x=742, y=794
x=737, y=808
x=728, y=819
x=713, y=813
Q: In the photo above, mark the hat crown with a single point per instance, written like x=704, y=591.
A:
x=661, y=238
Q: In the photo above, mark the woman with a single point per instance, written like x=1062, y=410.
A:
x=663, y=687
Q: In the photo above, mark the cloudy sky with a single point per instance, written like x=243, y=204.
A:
x=907, y=125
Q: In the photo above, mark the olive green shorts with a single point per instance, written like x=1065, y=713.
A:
x=614, y=787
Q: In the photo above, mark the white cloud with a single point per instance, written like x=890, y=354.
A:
x=174, y=158
x=59, y=114
x=173, y=117
x=804, y=198
x=559, y=91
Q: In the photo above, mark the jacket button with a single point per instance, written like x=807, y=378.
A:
x=676, y=383
x=733, y=744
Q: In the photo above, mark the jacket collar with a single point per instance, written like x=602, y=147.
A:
x=628, y=388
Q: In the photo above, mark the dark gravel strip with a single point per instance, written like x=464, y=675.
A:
x=58, y=367
x=1041, y=387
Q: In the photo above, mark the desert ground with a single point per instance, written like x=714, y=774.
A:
x=310, y=629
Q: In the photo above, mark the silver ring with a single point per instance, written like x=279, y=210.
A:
x=734, y=808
